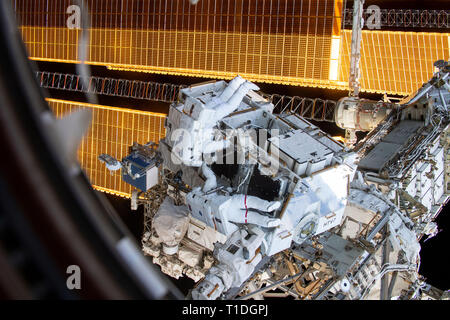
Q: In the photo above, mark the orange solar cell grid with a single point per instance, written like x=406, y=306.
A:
x=113, y=131
x=395, y=62
x=278, y=41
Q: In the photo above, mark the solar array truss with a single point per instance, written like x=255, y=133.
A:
x=405, y=18
x=135, y=89
x=313, y=109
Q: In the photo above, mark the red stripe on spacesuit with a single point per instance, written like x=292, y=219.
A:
x=246, y=209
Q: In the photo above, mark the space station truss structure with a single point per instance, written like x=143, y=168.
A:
x=405, y=18
x=123, y=88
x=314, y=109
x=298, y=212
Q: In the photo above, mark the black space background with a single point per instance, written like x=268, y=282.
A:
x=435, y=251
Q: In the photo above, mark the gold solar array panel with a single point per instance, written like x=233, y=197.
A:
x=395, y=62
x=277, y=41
x=112, y=131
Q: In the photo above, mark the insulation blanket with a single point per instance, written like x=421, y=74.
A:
x=171, y=222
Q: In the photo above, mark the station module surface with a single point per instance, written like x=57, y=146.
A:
x=252, y=204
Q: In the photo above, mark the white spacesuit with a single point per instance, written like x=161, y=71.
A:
x=238, y=208
x=196, y=135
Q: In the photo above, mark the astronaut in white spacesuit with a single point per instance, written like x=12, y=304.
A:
x=196, y=135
